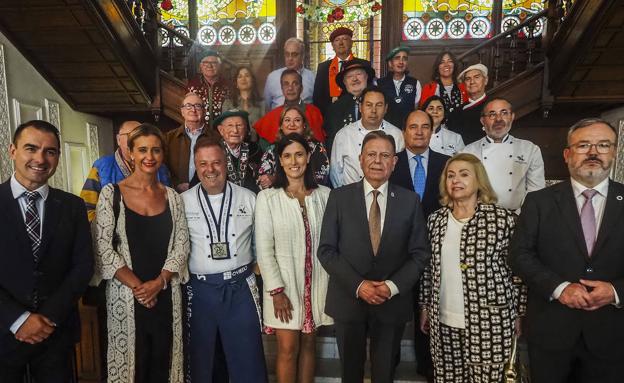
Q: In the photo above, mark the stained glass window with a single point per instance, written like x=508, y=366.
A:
x=463, y=19
x=225, y=22
x=316, y=19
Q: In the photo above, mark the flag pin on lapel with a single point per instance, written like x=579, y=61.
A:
x=619, y=198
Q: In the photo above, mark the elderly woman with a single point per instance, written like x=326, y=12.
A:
x=294, y=121
x=245, y=97
x=442, y=140
x=445, y=85
x=471, y=299
x=142, y=246
x=288, y=225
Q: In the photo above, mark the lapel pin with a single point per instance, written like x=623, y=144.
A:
x=619, y=198
x=392, y=195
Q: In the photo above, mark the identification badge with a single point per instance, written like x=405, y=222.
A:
x=220, y=250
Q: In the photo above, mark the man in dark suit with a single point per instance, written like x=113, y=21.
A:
x=568, y=248
x=326, y=90
x=46, y=262
x=418, y=169
x=374, y=247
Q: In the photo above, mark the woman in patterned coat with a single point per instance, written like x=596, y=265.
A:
x=142, y=246
x=472, y=301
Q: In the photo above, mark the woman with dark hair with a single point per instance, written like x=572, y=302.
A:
x=142, y=247
x=444, y=84
x=442, y=140
x=245, y=96
x=294, y=121
x=288, y=220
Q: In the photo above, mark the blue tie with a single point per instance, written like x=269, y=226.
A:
x=419, y=177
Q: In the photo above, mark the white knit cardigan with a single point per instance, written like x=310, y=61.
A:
x=280, y=249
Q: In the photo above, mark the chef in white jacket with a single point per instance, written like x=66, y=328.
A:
x=222, y=296
x=514, y=166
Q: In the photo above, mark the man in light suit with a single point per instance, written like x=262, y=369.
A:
x=374, y=246
x=46, y=260
x=568, y=248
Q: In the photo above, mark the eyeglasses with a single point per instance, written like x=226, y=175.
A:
x=492, y=115
x=193, y=106
x=602, y=147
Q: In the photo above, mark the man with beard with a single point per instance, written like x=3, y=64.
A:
x=514, y=166
x=355, y=76
x=568, y=249
x=402, y=90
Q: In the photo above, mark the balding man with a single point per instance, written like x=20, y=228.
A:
x=294, y=53
x=112, y=168
x=180, y=141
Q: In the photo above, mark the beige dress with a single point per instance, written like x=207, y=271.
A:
x=119, y=298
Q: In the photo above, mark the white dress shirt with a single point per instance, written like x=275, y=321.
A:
x=345, y=162
x=382, y=199
x=194, y=135
x=273, y=96
x=598, y=201
x=18, y=193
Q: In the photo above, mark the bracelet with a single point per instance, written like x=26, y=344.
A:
x=278, y=290
x=164, y=282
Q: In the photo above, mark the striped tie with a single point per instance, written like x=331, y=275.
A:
x=33, y=222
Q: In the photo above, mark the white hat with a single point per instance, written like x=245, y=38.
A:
x=479, y=67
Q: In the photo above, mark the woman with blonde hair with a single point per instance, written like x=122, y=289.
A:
x=471, y=301
x=141, y=251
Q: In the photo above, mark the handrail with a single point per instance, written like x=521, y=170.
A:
x=502, y=35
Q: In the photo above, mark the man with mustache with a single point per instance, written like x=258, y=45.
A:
x=568, y=249
x=222, y=295
x=514, y=166
x=468, y=121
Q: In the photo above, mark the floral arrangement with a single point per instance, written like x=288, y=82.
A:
x=339, y=14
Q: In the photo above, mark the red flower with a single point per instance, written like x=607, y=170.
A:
x=330, y=18
x=338, y=13
x=166, y=5
x=376, y=7
x=300, y=10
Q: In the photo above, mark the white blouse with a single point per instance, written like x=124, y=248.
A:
x=451, y=286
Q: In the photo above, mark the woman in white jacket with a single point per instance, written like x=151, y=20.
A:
x=287, y=228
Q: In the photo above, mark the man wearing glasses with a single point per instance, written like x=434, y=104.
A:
x=181, y=141
x=568, y=249
x=294, y=53
x=514, y=166
x=209, y=86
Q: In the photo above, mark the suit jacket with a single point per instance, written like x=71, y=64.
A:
x=435, y=165
x=320, y=97
x=178, y=152
x=65, y=262
x=346, y=253
x=548, y=248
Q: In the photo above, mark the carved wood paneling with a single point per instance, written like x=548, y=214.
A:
x=6, y=165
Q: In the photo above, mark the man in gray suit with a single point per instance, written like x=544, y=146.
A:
x=374, y=247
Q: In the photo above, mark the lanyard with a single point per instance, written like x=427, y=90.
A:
x=220, y=231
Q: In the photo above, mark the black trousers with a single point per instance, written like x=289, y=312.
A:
x=422, y=348
x=48, y=361
x=576, y=365
x=385, y=343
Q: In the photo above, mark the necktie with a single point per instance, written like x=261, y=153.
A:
x=374, y=223
x=588, y=220
x=357, y=110
x=340, y=64
x=419, y=177
x=33, y=223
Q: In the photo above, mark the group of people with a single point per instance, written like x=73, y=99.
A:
x=339, y=199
